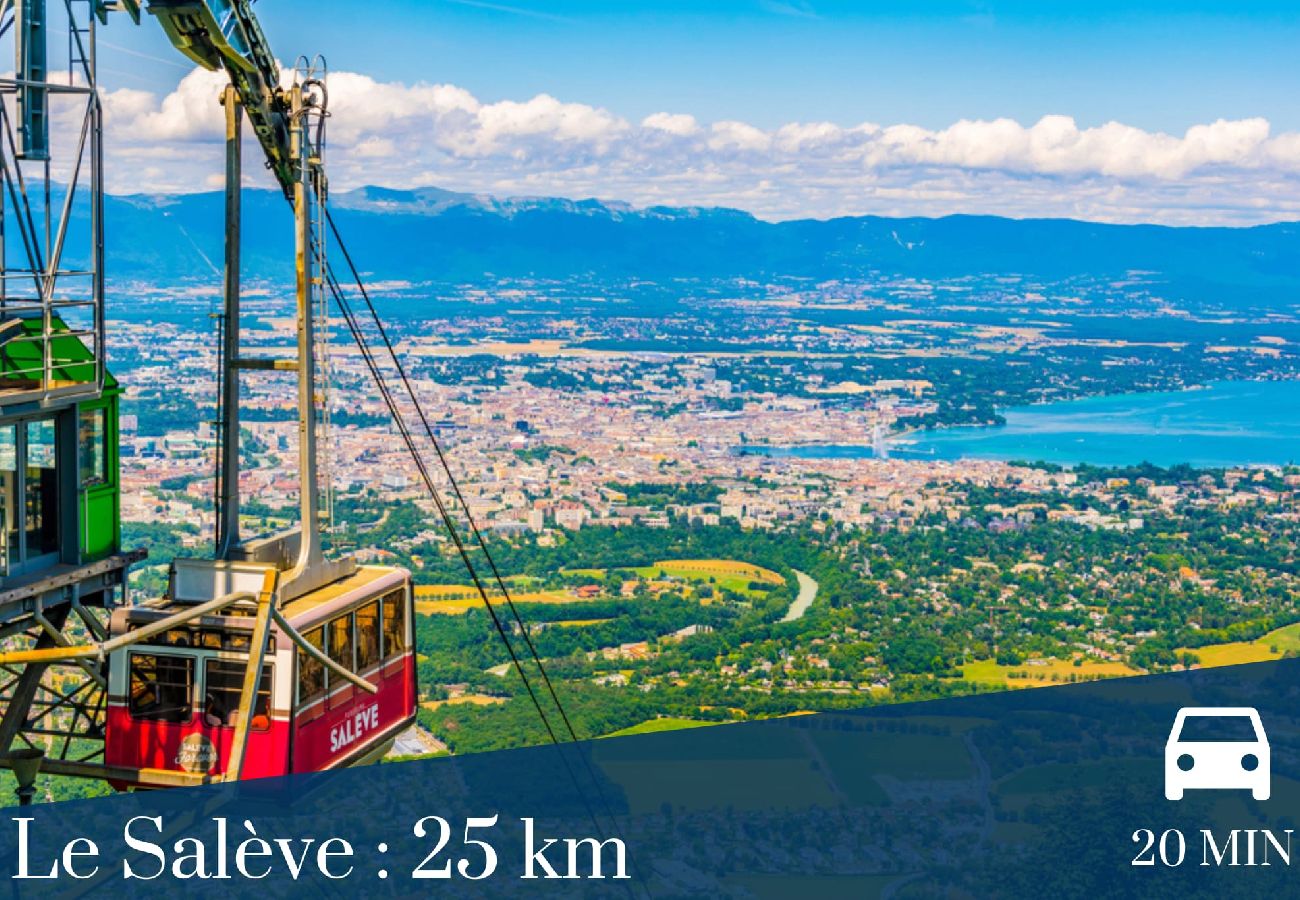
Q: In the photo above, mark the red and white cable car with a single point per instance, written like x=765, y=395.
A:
x=174, y=697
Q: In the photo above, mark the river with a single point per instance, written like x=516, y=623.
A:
x=807, y=594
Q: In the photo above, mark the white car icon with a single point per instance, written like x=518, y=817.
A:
x=1217, y=748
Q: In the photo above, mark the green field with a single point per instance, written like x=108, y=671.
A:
x=1041, y=673
x=725, y=573
x=1271, y=646
x=661, y=723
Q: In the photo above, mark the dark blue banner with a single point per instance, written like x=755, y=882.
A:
x=1179, y=785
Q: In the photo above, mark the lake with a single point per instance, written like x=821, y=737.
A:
x=1224, y=424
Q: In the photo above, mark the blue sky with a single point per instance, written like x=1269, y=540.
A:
x=1160, y=67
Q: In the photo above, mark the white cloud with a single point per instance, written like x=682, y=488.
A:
x=190, y=112
x=414, y=135
x=737, y=136
x=679, y=124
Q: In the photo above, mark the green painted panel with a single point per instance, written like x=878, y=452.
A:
x=70, y=359
x=100, y=524
x=100, y=482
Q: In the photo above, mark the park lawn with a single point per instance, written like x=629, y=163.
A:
x=660, y=723
x=1051, y=671
x=718, y=568
x=1261, y=649
x=726, y=573
x=455, y=599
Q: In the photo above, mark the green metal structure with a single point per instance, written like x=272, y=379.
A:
x=59, y=461
x=61, y=565
x=62, y=569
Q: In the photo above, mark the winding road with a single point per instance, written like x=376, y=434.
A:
x=807, y=594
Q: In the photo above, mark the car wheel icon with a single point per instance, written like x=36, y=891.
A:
x=1217, y=748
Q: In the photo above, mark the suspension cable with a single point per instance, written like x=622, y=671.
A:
x=455, y=486
x=451, y=478
x=407, y=438
x=335, y=289
x=443, y=512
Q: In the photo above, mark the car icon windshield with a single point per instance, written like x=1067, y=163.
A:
x=1217, y=728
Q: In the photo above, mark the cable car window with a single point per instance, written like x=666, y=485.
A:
x=209, y=639
x=41, y=520
x=367, y=636
x=341, y=642
x=162, y=687
x=9, y=448
x=223, y=682
x=395, y=624
x=311, y=672
x=178, y=637
x=91, y=447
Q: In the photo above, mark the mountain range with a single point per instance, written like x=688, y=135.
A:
x=433, y=235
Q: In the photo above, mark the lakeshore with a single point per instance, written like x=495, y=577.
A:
x=1227, y=423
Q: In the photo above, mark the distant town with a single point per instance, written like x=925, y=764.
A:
x=541, y=429
x=676, y=564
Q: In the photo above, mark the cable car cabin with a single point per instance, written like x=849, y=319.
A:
x=173, y=699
